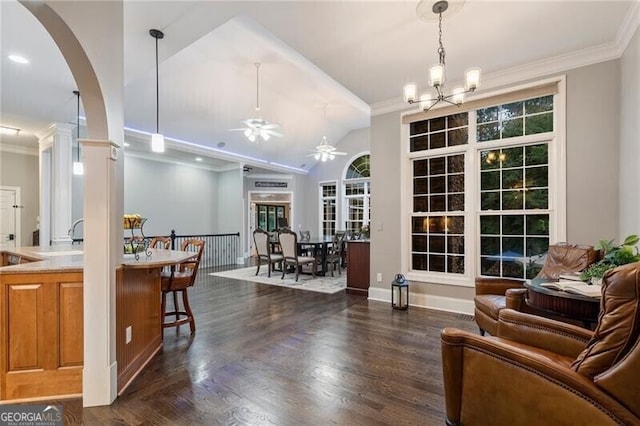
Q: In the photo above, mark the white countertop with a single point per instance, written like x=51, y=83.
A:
x=69, y=257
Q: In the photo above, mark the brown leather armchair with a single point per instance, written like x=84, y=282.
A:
x=540, y=371
x=491, y=298
x=494, y=294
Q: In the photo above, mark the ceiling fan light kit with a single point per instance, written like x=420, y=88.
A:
x=325, y=151
x=157, y=139
x=437, y=72
x=258, y=128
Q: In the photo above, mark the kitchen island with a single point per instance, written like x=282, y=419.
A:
x=41, y=319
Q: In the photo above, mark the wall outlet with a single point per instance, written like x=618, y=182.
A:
x=127, y=332
x=379, y=277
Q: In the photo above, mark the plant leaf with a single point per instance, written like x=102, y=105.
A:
x=631, y=240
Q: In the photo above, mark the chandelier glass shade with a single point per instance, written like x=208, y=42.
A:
x=437, y=74
x=157, y=139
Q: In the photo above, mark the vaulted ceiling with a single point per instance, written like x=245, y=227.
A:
x=350, y=56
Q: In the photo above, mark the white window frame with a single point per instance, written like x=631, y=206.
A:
x=344, y=210
x=321, y=205
x=557, y=185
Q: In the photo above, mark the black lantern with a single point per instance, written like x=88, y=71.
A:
x=399, y=292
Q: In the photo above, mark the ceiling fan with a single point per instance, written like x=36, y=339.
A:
x=258, y=128
x=325, y=151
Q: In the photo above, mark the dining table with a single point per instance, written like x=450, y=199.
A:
x=318, y=246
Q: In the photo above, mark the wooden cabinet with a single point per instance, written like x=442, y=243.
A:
x=41, y=335
x=358, y=267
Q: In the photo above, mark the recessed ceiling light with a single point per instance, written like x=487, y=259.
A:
x=198, y=158
x=126, y=144
x=19, y=59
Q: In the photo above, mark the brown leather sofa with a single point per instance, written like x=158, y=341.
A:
x=494, y=294
x=540, y=371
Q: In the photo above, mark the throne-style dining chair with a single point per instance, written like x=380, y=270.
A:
x=540, y=371
x=261, y=238
x=336, y=253
x=178, y=280
x=289, y=244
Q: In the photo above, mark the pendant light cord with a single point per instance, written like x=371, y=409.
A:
x=77, y=93
x=257, y=86
x=157, y=92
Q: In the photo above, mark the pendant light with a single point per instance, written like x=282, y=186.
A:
x=157, y=140
x=78, y=168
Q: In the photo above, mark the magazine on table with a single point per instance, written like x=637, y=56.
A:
x=575, y=287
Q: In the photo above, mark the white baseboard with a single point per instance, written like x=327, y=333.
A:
x=440, y=303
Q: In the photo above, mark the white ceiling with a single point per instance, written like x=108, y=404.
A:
x=347, y=55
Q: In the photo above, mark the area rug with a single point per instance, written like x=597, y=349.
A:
x=319, y=284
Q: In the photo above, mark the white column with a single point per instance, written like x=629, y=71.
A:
x=55, y=183
x=102, y=228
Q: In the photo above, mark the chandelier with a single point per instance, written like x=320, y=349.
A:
x=437, y=74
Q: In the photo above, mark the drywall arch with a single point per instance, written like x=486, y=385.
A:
x=79, y=64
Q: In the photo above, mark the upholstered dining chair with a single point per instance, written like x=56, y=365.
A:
x=178, y=280
x=289, y=244
x=261, y=239
x=540, y=371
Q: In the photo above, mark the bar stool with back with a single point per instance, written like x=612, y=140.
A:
x=178, y=280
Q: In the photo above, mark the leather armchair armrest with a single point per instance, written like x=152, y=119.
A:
x=530, y=385
x=486, y=285
x=544, y=333
x=515, y=298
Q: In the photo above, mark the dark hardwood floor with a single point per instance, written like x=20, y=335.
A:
x=267, y=355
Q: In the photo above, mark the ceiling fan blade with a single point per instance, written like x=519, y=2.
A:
x=270, y=126
x=274, y=133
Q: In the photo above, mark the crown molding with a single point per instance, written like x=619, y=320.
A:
x=190, y=147
x=18, y=149
x=544, y=67
x=159, y=159
x=268, y=176
x=628, y=27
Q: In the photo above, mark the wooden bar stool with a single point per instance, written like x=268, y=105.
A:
x=178, y=280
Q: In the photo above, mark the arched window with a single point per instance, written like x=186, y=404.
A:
x=359, y=168
x=357, y=191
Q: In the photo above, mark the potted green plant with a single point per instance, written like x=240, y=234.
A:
x=612, y=256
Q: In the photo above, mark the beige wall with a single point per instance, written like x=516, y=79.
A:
x=593, y=113
x=21, y=170
x=630, y=138
x=354, y=144
x=592, y=180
